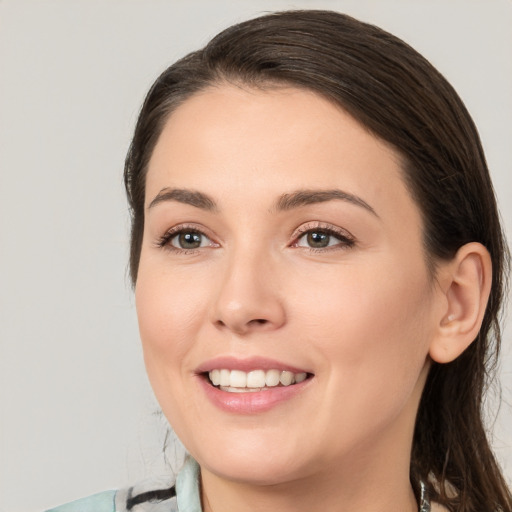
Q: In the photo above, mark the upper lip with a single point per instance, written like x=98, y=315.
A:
x=246, y=364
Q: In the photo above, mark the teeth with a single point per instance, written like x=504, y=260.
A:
x=299, y=377
x=215, y=377
x=225, y=377
x=286, y=378
x=255, y=380
x=237, y=379
x=272, y=378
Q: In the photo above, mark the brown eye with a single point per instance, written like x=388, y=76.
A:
x=318, y=239
x=189, y=240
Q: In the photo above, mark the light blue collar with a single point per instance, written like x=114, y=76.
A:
x=187, y=487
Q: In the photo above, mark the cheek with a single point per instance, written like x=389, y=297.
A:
x=167, y=305
x=169, y=310
x=378, y=298
x=372, y=329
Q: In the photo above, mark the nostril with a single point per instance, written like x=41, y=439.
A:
x=257, y=321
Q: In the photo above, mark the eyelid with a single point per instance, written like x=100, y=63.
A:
x=345, y=237
x=164, y=240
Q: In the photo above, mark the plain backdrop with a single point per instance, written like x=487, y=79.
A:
x=77, y=413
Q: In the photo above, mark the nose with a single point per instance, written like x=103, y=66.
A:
x=249, y=298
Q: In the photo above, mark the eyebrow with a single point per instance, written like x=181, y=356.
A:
x=306, y=197
x=191, y=197
x=285, y=202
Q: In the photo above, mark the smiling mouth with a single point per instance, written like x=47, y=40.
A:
x=237, y=381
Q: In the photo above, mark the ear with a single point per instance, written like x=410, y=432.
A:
x=465, y=282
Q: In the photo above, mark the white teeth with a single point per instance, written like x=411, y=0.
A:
x=224, y=377
x=286, y=378
x=215, y=377
x=237, y=379
x=240, y=390
x=272, y=378
x=255, y=380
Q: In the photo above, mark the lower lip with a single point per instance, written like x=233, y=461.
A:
x=251, y=402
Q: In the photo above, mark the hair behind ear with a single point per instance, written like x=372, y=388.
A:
x=449, y=428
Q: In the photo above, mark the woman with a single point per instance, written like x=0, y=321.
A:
x=319, y=267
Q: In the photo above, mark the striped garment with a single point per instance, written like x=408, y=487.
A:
x=149, y=496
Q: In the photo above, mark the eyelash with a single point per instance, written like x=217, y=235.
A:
x=164, y=242
x=346, y=240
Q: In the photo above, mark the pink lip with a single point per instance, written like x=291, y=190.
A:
x=246, y=365
x=251, y=402
x=254, y=401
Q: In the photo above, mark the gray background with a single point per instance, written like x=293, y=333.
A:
x=77, y=414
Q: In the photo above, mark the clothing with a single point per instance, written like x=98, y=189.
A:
x=150, y=496
x=181, y=496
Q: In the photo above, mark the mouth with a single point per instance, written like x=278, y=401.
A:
x=238, y=381
x=251, y=385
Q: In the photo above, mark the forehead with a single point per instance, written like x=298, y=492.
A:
x=234, y=139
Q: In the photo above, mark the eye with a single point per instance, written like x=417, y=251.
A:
x=183, y=239
x=323, y=238
x=189, y=240
x=316, y=239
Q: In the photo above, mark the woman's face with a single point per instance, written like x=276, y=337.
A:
x=280, y=242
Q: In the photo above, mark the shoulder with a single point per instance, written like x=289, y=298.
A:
x=101, y=502
x=156, y=495
x=145, y=497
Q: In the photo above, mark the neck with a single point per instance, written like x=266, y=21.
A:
x=363, y=484
x=298, y=498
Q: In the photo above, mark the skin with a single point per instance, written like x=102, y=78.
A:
x=361, y=317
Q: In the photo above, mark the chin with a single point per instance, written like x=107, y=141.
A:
x=259, y=473
x=253, y=459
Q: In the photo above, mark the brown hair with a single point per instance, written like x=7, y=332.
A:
x=399, y=96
